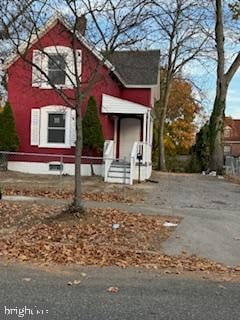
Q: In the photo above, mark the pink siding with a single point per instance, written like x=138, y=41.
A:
x=23, y=97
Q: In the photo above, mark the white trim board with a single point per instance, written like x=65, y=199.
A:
x=115, y=105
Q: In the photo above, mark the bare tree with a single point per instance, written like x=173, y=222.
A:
x=181, y=26
x=224, y=78
x=12, y=13
x=111, y=25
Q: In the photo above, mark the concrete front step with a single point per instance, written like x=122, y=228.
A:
x=118, y=180
x=119, y=169
x=115, y=174
x=119, y=173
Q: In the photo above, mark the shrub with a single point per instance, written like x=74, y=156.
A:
x=8, y=135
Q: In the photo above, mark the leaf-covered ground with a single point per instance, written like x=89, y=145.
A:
x=67, y=194
x=40, y=234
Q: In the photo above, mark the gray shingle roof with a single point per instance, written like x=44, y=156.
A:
x=137, y=68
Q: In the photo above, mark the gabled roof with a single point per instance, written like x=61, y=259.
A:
x=134, y=69
x=137, y=68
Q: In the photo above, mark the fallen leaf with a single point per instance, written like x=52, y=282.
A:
x=27, y=279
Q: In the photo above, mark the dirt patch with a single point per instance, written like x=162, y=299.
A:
x=233, y=179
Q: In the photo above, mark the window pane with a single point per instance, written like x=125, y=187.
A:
x=56, y=61
x=56, y=120
x=56, y=135
x=56, y=68
x=56, y=76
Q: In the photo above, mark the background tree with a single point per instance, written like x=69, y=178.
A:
x=224, y=77
x=8, y=135
x=180, y=126
x=92, y=130
x=177, y=23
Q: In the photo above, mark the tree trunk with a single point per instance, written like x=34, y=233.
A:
x=223, y=79
x=161, y=124
x=216, y=133
x=77, y=202
x=91, y=164
x=217, y=116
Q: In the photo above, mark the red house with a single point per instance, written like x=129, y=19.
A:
x=232, y=137
x=125, y=88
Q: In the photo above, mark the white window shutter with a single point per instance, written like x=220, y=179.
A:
x=73, y=128
x=70, y=69
x=36, y=73
x=45, y=83
x=79, y=63
x=35, y=124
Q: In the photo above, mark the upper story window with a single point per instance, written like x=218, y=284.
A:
x=57, y=69
x=227, y=132
x=57, y=63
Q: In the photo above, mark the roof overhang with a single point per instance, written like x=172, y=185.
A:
x=115, y=105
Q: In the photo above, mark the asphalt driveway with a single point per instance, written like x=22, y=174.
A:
x=211, y=210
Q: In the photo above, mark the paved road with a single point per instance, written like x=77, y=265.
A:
x=142, y=295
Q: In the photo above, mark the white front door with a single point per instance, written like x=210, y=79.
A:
x=130, y=129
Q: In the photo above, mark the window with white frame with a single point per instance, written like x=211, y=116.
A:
x=53, y=127
x=227, y=132
x=58, y=64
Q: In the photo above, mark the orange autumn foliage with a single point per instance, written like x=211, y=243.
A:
x=180, y=127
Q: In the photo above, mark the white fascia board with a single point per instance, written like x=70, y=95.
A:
x=115, y=105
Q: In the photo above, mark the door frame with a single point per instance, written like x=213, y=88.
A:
x=133, y=116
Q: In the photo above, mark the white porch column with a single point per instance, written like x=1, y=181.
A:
x=151, y=130
x=144, y=136
x=148, y=127
x=115, y=135
x=144, y=127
